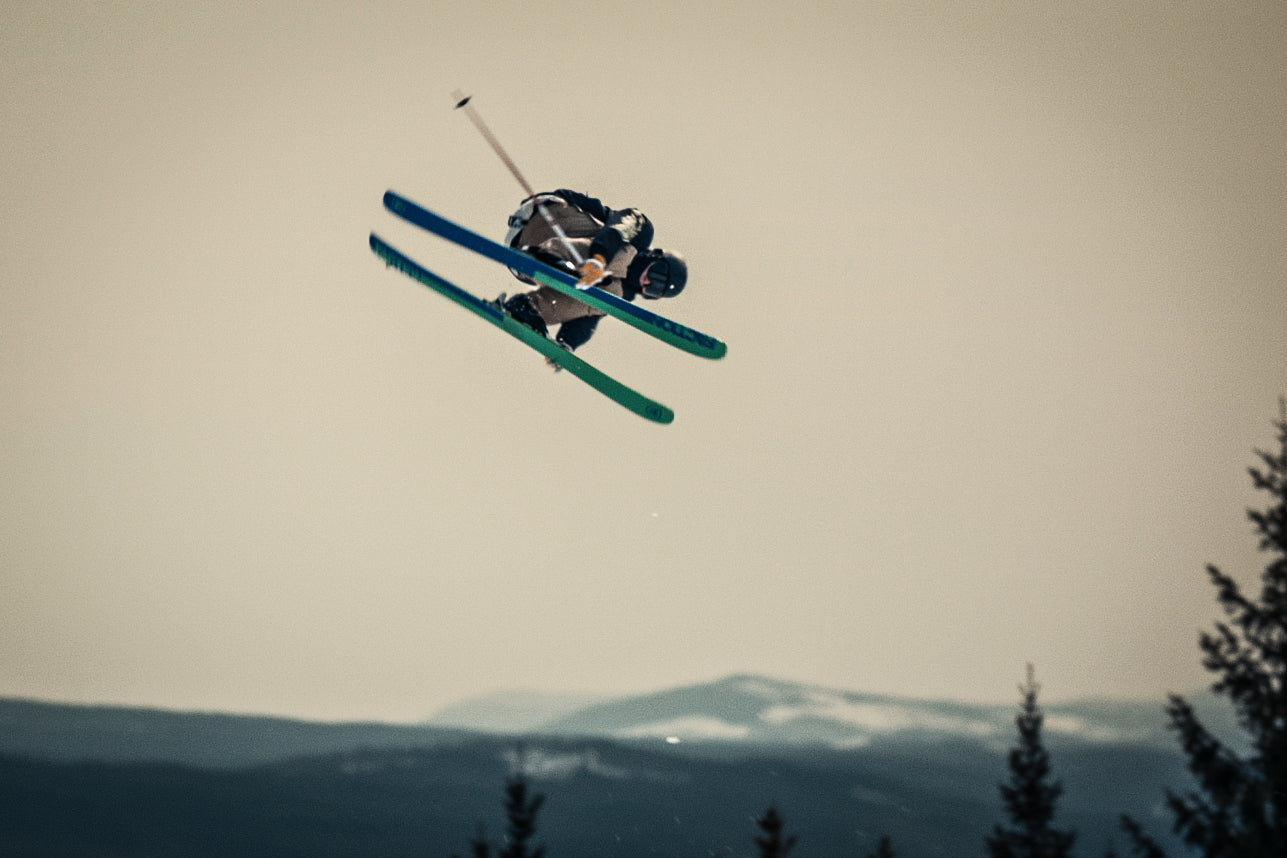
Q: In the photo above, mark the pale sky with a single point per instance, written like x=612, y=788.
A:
x=1003, y=290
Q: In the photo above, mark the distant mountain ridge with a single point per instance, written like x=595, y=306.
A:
x=761, y=710
x=737, y=710
x=677, y=772
x=512, y=711
x=122, y=734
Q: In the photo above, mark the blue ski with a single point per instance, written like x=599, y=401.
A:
x=605, y=384
x=660, y=327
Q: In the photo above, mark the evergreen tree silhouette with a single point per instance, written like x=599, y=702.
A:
x=1144, y=846
x=1030, y=795
x=479, y=847
x=1239, y=809
x=521, y=812
x=770, y=841
x=884, y=849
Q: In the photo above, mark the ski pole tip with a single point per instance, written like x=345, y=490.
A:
x=463, y=101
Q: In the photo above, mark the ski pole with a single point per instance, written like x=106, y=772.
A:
x=462, y=100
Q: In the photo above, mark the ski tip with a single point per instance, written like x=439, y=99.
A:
x=395, y=203
x=659, y=414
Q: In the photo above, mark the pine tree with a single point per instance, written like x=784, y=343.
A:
x=1240, y=807
x=770, y=842
x=1030, y=796
x=521, y=812
x=479, y=847
x=1144, y=846
x=884, y=849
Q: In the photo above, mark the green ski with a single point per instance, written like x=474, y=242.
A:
x=600, y=381
x=668, y=331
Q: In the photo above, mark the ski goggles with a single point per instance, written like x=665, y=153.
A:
x=655, y=280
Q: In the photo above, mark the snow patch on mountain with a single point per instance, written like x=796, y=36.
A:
x=691, y=728
x=540, y=764
x=1072, y=725
x=876, y=717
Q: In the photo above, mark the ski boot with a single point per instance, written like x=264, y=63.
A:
x=521, y=310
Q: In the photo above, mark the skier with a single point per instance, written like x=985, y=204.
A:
x=615, y=245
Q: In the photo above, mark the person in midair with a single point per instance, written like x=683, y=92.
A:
x=615, y=246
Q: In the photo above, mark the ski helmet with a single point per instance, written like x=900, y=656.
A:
x=664, y=276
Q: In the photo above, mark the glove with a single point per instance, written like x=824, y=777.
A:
x=592, y=271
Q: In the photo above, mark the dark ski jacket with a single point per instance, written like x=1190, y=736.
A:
x=610, y=232
x=620, y=226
